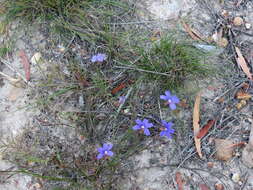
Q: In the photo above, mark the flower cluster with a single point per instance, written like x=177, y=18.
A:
x=100, y=57
x=144, y=125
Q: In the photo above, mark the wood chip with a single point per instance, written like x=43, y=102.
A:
x=196, y=127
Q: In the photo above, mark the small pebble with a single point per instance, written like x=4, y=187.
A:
x=236, y=177
x=247, y=26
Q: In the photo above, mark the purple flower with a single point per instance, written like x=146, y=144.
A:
x=122, y=99
x=105, y=151
x=167, y=130
x=170, y=99
x=100, y=57
x=143, y=125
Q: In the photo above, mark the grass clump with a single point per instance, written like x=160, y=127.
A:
x=171, y=62
x=32, y=9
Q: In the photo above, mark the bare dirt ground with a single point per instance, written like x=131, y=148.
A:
x=166, y=164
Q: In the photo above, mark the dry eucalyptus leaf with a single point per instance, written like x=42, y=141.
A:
x=196, y=126
x=224, y=149
x=242, y=63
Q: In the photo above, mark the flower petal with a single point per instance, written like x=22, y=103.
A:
x=94, y=59
x=146, y=132
x=163, y=97
x=169, y=125
x=110, y=153
x=167, y=93
x=100, y=150
x=136, y=127
x=107, y=146
x=172, y=106
x=175, y=99
x=162, y=133
x=138, y=121
x=99, y=156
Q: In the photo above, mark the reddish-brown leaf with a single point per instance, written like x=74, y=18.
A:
x=26, y=64
x=203, y=187
x=119, y=88
x=203, y=131
x=179, y=181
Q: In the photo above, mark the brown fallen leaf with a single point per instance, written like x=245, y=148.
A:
x=203, y=187
x=224, y=149
x=193, y=33
x=119, y=88
x=204, y=130
x=247, y=153
x=242, y=63
x=196, y=124
x=243, y=95
x=26, y=64
x=179, y=181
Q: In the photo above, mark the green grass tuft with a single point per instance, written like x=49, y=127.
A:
x=171, y=62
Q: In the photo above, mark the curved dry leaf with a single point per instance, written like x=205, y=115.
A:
x=196, y=124
x=241, y=61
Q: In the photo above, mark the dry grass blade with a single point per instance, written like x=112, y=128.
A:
x=196, y=124
x=241, y=61
x=26, y=64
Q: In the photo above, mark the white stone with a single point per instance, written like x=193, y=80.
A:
x=168, y=9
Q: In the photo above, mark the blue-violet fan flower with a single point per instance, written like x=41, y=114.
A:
x=167, y=130
x=105, y=151
x=100, y=57
x=171, y=100
x=143, y=125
